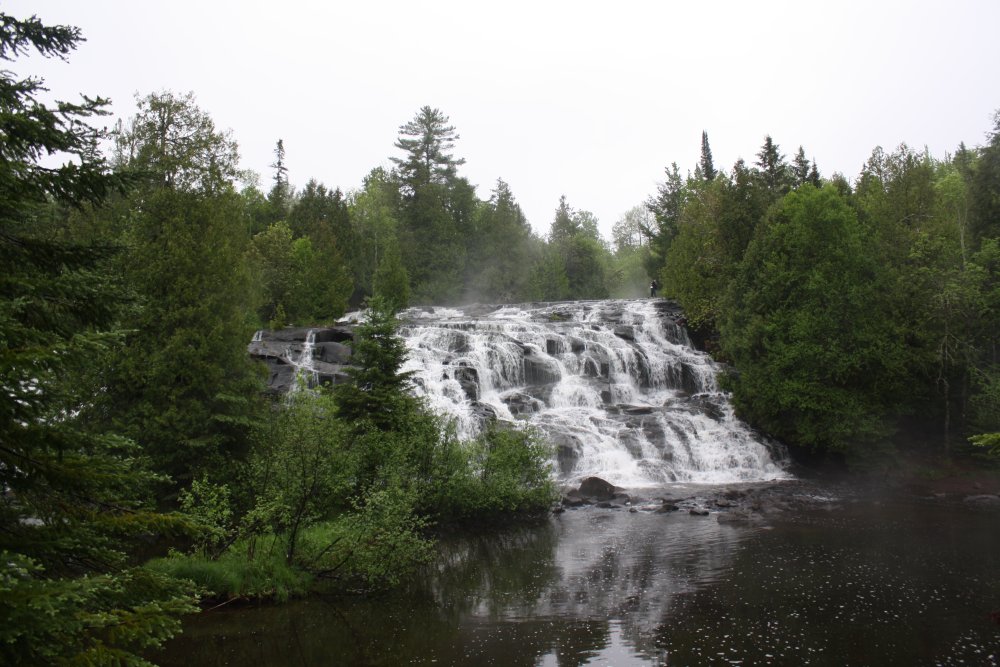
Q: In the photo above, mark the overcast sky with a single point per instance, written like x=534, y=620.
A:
x=587, y=99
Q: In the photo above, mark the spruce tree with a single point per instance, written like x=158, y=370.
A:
x=71, y=498
x=773, y=168
x=800, y=168
x=707, y=167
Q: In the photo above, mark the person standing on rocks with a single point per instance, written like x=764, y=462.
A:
x=653, y=286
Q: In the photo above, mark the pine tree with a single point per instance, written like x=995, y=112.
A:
x=378, y=393
x=707, y=168
x=72, y=498
x=436, y=207
x=281, y=193
x=773, y=168
x=427, y=141
x=800, y=168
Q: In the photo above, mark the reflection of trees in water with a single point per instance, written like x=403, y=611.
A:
x=558, y=589
x=565, y=591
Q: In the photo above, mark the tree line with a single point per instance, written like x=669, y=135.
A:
x=855, y=317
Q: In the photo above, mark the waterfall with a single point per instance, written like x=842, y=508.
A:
x=616, y=386
x=304, y=363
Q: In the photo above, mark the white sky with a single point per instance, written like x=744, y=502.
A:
x=587, y=99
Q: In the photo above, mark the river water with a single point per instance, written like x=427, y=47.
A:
x=856, y=581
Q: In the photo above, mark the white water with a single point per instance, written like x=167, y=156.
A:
x=615, y=385
x=304, y=363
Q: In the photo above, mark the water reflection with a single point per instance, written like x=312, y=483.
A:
x=860, y=585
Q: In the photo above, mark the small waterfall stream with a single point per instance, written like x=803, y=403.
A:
x=615, y=385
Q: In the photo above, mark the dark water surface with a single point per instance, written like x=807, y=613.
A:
x=861, y=582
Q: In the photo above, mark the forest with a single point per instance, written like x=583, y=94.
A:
x=853, y=314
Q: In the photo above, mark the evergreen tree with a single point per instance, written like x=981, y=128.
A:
x=986, y=188
x=773, y=168
x=436, y=207
x=707, y=167
x=390, y=282
x=184, y=387
x=281, y=192
x=378, y=393
x=666, y=208
x=427, y=141
x=501, y=248
x=800, y=168
x=73, y=499
x=813, y=177
x=820, y=358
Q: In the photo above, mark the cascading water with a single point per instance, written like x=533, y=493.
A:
x=304, y=363
x=615, y=385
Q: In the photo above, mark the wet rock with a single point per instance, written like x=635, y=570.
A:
x=625, y=332
x=666, y=508
x=521, y=404
x=540, y=371
x=568, y=448
x=698, y=511
x=597, y=488
x=280, y=378
x=983, y=500
x=484, y=413
x=333, y=353
x=468, y=378
x=574, y=499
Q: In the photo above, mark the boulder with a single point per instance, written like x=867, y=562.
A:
x=597, y=488
x=625, y=332
x=468, y=378
x=333, y=353
x=539, y=370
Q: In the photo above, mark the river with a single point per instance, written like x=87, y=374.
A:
x=853, y=580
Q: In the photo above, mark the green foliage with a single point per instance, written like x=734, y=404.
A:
x=696, y=272
x=988, y=441
x=377, y=393
x=267, y=575
x=390, y=283
x=73, y=500
x=184, y=387
x=175, y=145
x=818, y=362
x=99, y=619
x=511, y=474
x=299, y=469
x=210, y=505
x=377, y=545
x=501, y=249
x=374, y=220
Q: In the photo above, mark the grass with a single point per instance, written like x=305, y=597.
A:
x=234, y=575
